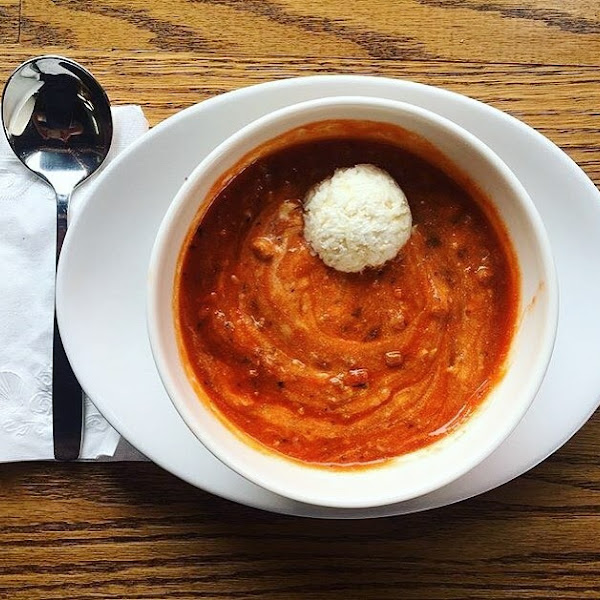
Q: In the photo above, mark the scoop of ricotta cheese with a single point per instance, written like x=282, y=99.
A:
x=357, y=218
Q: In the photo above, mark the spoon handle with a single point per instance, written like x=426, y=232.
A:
x=67, y=399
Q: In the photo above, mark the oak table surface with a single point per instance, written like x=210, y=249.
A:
x=87, y=531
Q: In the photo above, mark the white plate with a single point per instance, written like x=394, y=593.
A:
x=102, y=282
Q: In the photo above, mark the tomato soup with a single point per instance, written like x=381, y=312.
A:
x=338, y=368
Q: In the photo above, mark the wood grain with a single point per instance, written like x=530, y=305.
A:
x=543, y=31
x=9, y=21
x=114, y=531
x=133, y=531
x=560, y=101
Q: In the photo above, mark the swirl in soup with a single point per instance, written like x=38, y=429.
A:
x=345, y=369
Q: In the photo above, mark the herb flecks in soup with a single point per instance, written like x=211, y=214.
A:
x=344, y=368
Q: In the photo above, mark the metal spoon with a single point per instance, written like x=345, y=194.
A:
x=57, y=120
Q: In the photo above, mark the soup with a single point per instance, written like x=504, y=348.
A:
x=345, y=369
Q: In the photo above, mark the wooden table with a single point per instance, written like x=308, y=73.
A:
x=84, y=531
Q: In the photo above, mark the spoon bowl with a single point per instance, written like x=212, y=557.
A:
x=57, y=120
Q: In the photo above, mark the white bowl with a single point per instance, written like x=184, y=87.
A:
x=413, y=474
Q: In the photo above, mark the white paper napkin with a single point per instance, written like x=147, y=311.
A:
x=27, y=250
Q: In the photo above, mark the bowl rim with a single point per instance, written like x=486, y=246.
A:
x=202, y=171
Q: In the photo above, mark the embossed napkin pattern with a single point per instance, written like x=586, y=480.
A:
x=27, y=225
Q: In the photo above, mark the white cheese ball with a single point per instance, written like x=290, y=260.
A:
x=357, y=218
